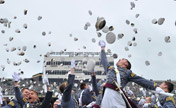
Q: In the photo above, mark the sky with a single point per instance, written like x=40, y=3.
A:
x=65, y=17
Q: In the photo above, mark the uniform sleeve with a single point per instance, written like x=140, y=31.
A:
x=104, y=61
x=19, y=96
x=47, y=99
x=141, y=81
x=4, y=103
x=170, y=103
x=67, y=92
x=95, y=87
x=154, y=106
x=7, y=106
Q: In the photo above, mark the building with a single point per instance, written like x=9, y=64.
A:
x=58, y=65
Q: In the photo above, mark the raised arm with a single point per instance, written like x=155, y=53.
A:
x=94, y=83
x=141, y=81
x=47, y=99
x=18, y=94
x=104, y=60
x=67, y=92
x=169, y=103
x=48, y=95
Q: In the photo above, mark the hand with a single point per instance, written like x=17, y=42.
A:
x=146, y=105
x=144, y=93
x=73, y=63
x=59, y=97
x=102, y=43
x=130, y=92
x=159, y=90
x=0, y=89
x=90, y=65
x=158, y=104
x=93, y=74
x=90, y=87
x=142, y=102
x=16, y=77
x=45, y=80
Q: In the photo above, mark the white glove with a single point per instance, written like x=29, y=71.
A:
x=1, y=101
x=158, y=104
x=102, y=43
x=59, y=97
x=16, y=76
x=73, y=63
x=45, y=80
x=90, y=87
x=91, y=65
x=159, y=90
x=130, y=92
x=146, y=105
x=144, y=92
x=141, y=102
x=0, y=89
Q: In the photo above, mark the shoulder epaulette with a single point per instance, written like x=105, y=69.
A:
x=11, y=103
x=133, y=74
x=25, y=100
x=170, y=99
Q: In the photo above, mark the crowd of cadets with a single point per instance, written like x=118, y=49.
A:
x=109, y=93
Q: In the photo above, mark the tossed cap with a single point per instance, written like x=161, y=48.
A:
x=90, y=12
x=101, y=22
x=147, y=63
x=127, y=22
x=115, y=56
x=154, y=21
x=161, y=21
x=105, y=29
x=110, y=37
x=167, y=39
x=160, y=53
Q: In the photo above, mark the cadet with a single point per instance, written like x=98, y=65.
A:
x=164, y=101
x=33, y=100
x=15, y=103
x=68, y=101
x=117, y=79
x=86, y=97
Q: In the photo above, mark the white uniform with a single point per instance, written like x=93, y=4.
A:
x=112, y=99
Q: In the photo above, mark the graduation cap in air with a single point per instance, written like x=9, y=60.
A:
x=161, y=21
x=127, y=22
x=105, y=29
x=147, y=63
x=110, y=37
x=115, y=56
x=39, y=18
x=90, y=12
x=25, y=12
x=154, y=21
x=101, y=22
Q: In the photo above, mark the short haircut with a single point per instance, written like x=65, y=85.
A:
x=82, y=86
x=62, y=87
x=170, y=86
x=129, y=65
x=24, y=89
x=34, y=92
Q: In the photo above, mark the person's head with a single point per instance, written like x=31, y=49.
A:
x=25, y=92
x=124, y=63
x=57, y=102
x=83, y=86
x=167, y=86
x=148, y=99
x=62, y=87
x=33, y=97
